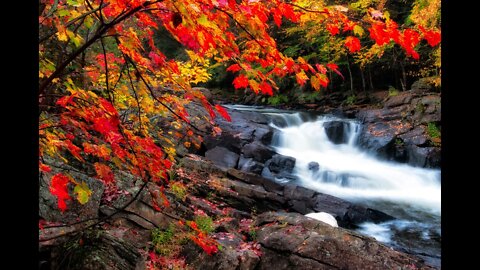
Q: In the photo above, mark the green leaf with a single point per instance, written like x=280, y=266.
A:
x=63, y=12
x=83, y=192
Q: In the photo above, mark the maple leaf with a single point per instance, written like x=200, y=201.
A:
x=58, y=188
x=234, y=68
x=334, y=68
x=83, y=192
x=333, y=29
x=353, y=44
x=432, y=37
x=266, y=89
x=221, y=110
x=104, y=173
x=240, y=81
x=45, y=168
x=277, y=16
x=321, y=68
x=301, y=77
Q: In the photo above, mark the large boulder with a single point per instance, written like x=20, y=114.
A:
x=336, y=131
x=48, y=206
x=222, y=157
x=279, y=167
x=293, y=241
x=101, y=250
x=258, y=151
x=250, y=165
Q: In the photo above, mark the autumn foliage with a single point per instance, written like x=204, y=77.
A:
x=103, y=79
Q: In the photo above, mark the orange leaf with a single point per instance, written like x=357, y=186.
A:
x=353, y=44
x=104, y=173
x=301, y=78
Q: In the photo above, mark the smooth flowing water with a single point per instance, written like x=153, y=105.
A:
x=410, y=194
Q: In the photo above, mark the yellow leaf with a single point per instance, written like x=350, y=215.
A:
x=358, y=30
x=62, y=36
x=83, y=192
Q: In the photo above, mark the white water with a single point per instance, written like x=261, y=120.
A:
x=410, y=194
x=348, y=172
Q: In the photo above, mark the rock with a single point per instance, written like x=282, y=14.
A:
x=424, y=156
x=48, y=207
x=313, y=166
x=324, y=217
x=378, y=138
x=105, y=252
x=401, y=99
x=293, y=241
x=250, y=165
x=280, y=163
x=264, y=135
x=258, y=152
x=416, y=136
x=225, y=140
x=222, y=157
x=423, y=85
x=336, y=131
x=231, y=256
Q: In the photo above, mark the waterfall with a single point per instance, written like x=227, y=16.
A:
x=329, y=160
x=344, y=170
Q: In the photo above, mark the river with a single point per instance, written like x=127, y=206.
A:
x=411, y=194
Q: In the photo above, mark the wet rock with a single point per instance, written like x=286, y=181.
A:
x=222, y=157
x=280, y=163
x=424, y=156
x=336, y=131
x=259, y=152
x=250, y=165
x=313, y=166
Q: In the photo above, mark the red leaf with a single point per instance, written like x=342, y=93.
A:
x=266, y=88
x=58, y=188
x=240, y=81
x=334, y=68
x=333, y=29
x=288, y=12
x=223, y=112
x=277, y=16
x=353, y=44
x=64, y=101
x=104, y=173
x=234, y=68
x=378, y=33
x=432, y=37
x=45, y=168
x=321, y=68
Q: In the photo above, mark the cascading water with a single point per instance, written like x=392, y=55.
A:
x=410, y=194
x=344, y=170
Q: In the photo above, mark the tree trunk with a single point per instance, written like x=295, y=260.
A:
x=403, y=79
x=370, y=79
x=350, y=74
x=362, y=75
